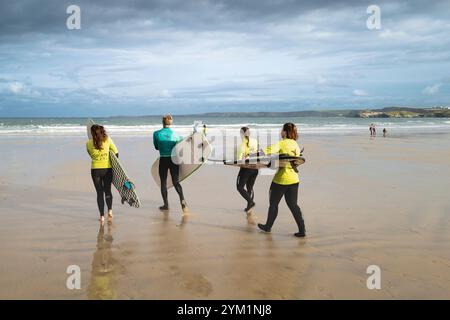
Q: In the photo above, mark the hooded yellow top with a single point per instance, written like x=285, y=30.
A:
x=285, y=175
x=100, y=158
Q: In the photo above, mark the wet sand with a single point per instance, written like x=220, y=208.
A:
x=366, y=202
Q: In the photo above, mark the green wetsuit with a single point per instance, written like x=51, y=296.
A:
x=164, y=140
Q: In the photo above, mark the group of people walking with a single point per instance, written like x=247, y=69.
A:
x=373, y=131
x=284, y=184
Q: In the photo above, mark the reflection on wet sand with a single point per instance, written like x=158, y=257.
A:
x=103, y=283
x=184, y=220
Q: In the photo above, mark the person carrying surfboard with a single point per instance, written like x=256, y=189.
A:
x=101, y=172
x=164, y=140
x=247, y=177
x=285, y=182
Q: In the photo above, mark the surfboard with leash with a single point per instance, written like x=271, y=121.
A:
x=120, y=180
x=260, y=162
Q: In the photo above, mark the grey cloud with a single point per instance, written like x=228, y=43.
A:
x=49, y=16
x=220, y=49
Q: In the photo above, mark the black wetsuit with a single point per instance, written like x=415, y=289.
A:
x=290, y=193
x=102, y=179
x=245, y=182
x=165, y=164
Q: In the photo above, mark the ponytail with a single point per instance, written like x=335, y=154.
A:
x=245, y=131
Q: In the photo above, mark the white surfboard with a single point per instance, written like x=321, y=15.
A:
x=190, y=153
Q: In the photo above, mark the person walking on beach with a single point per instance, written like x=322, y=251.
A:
x=285, y=182
x=371, y=129
x=165, y=140
x=101, y=172
x=247, y=176
x=384, y=133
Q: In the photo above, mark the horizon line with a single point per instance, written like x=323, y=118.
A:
x=229, y=112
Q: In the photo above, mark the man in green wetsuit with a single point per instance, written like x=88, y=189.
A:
x=165, y=140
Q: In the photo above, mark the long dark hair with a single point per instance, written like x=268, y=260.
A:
x=98, y=136
x=291, y=130
x=245, y=131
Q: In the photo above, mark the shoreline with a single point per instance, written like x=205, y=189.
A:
x=217, y=126
x=129, y=132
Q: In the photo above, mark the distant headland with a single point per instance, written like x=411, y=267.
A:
x=390, y=112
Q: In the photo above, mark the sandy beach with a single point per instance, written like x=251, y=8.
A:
x=382, y=201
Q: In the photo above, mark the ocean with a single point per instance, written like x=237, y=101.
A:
x=137, y=126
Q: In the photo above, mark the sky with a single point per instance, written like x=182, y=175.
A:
x=183, y=56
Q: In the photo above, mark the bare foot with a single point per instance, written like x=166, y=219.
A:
x=251, y=219
x=184, y=207
x=102, y=219
x=110, y=215
x=250, y=208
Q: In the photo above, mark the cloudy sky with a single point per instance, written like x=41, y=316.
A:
x=184, y=56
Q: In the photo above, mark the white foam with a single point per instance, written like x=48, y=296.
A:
x=232, y=129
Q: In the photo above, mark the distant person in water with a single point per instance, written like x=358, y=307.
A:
x=285, y=182
x=247, y=177
x=165, y=140
x=384, y=132
x=101, y=172
x=373, y=131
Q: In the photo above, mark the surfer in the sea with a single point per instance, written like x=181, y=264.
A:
x=165, y=140
x=98, y=148
x=247, y=177
x=285, y=182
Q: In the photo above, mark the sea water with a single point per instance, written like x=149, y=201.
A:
x=144, y=126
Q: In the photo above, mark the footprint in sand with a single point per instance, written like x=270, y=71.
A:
x=196, y=284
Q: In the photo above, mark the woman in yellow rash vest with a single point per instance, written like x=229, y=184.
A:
x=285, y=182
x=247, y=177
x=101, y=172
